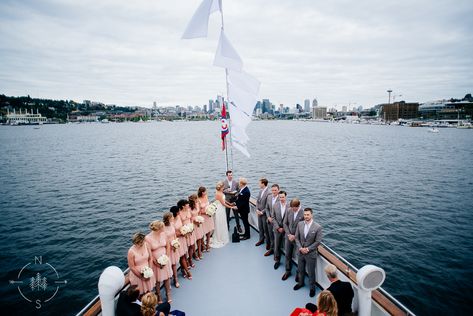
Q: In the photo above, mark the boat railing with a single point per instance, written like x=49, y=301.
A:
x=385, y=300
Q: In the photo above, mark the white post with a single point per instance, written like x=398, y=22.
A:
x=364, y=302
x=111, y=281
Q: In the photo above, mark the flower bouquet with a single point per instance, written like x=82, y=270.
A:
x=146, y=272
x=190, y=227
x=199, y=220
x=175, y=244
x=211, y=209
x=162, y=261
x=184, y=230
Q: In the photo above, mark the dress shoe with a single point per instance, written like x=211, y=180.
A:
x=276, y=265
x=239, y=229
x=268, y=246
x=244, y=237
x=259, y=243
x=298, y=286
x=312, y=293
x=286, y=276
x=268, y=253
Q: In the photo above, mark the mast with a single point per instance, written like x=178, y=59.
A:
x=228, y=101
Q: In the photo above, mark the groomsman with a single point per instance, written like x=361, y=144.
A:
x=260, y=212
x=308, y=238
x=294, y=216
x=273, y=198
x=279, y=215
x=230, y=185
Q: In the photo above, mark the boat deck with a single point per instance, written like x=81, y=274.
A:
x=249, y=286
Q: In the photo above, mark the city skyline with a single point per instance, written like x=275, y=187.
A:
x=342, y=54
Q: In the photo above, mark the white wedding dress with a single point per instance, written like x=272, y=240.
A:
x=220, y=236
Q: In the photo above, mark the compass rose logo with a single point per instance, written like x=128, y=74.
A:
x=38, y=282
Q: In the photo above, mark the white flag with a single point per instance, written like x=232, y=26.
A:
x=244, y=81
x=243, y=100
x=199, y=24
x=226, y=55
x=238, y=117
x=241, y=147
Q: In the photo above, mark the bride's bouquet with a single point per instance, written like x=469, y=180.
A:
x=162, y=261
x=184, y=230
x=146, y=272
x=199, y=220
x=175, y=244
x=211, y=209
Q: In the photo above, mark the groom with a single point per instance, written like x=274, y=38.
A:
x=243, y=206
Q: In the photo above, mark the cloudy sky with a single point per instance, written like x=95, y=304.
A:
x=340, y=52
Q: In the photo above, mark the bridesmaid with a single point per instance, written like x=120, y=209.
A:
x=199, y=228
x=182, y=240
x=186, y=218
x=173, y=254
x=139, y=256
x=203, y=201
x=159, y=246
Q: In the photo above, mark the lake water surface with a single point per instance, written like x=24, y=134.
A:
x=397, y=197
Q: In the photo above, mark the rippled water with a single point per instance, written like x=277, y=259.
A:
x=397, y=197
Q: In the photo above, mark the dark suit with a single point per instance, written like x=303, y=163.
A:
x=243, y=205
x=343, y=293
x=290, y=226
x=311, y=241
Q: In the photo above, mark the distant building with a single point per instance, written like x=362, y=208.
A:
x=211, y=106
x=319, y=112
x=266, y=106
x=307, y=105
x=315, y=103
x=344, y=108
x=25, y=118
x=399, y=110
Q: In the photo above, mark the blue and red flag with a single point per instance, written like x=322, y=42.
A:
x=224, y=125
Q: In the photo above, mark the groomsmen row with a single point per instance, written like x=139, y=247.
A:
x=279, y=220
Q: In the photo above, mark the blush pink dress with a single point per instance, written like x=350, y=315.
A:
x=199, y=230
x=171, y=235
x=157, y=243
x=186, y=217
x=182, y=250
x=208, y=221
x=141, y=260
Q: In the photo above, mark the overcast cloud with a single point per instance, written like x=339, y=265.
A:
x=340, y=52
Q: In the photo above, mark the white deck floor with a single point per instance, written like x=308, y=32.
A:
x=238, y=280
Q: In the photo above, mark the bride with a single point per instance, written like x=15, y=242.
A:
x=220, y=236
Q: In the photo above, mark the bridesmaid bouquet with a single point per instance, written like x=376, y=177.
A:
x=162, y=261
x=199, y=220
x=211, y=209
x=146, y=272
x=190, y=227
x=184, y=230
x=175, y=244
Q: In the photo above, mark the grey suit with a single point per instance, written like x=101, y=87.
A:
x=262, y=219
x=311, y=241
x=269, y=210
x=290, y=227
x=231, y=198
x=278, y=222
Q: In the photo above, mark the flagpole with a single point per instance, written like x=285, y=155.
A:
x=228, y=101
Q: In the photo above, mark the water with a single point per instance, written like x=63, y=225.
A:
x=396, y=197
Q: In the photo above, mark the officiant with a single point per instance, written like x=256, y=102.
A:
x=230, y=189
